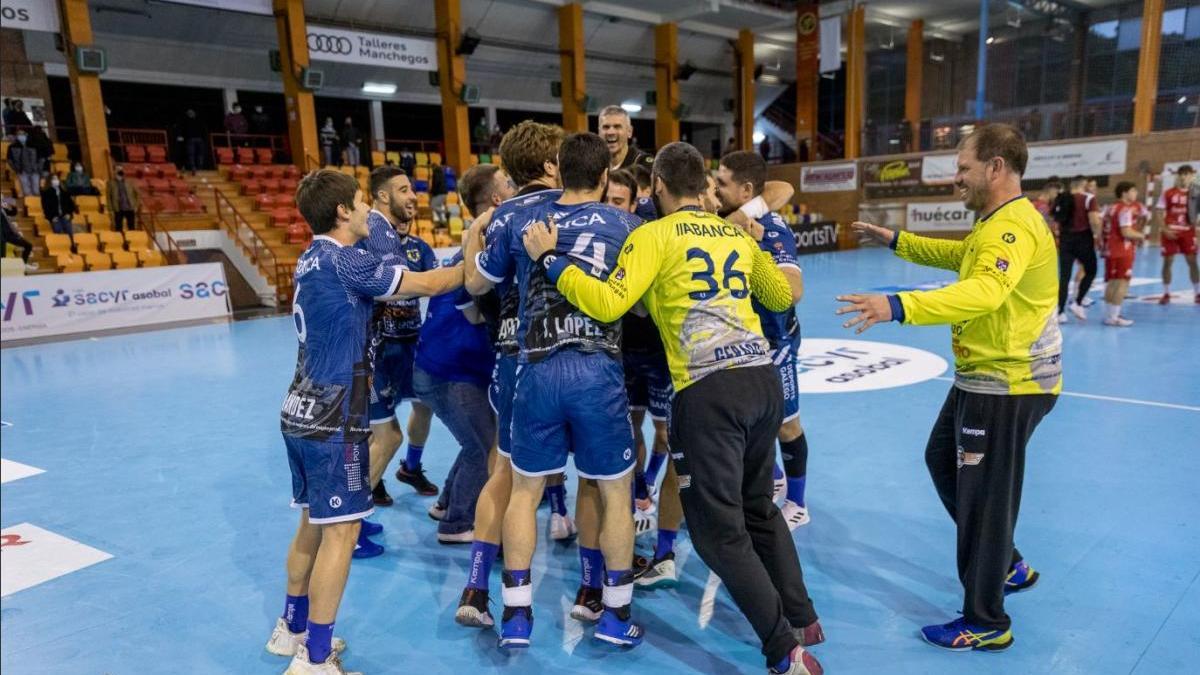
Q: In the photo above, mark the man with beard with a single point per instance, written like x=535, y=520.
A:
x=617, y=131
x=1008, y=371
x=396, y=327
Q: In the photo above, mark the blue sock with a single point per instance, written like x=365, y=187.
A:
x=777, y=474
x=516, y=578
x=639, y=485
x=295, y=612
x=666, y=543
x=591, y=563
x=782, y=666
x=412, y=461
x=320, y=638
x=362, y=537
x=795, y=490
x=558, y=498
x=656, y=462
x=483, y=555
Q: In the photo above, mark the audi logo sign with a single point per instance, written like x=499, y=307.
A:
x=326, y=43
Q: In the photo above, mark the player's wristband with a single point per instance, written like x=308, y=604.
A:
x=897, y=308
x=755, y=208
x=546, y=259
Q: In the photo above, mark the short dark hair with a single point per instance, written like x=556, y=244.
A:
x=1053, y=184
x=320, y=193
x=641, y=173
x=582, y=160
x=477, y=185
x=1000, y=140
x=380, y=177
x=1078, y=180
x=1186, y=168
x=526, y=148
x=747, y=167
x=1123, y=187
x=681, y=169
x=623, y=177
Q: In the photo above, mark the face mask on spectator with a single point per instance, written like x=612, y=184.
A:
x=21, y=138
x=79, y=168
x=53, y=182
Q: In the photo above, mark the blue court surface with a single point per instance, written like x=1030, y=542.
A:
x=162, y=450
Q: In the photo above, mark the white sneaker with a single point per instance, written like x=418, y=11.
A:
x=460, y=538
x=780, y=489
x=284, y=642
x=794, y=514
x=1088, y=302
x=803, y=663
x=562, y=527
x=643, y=523
x=1062, y=317
x=662, y=574
x=1120, y=322
x=31, y=267
x=330, y=666
x=1079, y=312
x=436, y=512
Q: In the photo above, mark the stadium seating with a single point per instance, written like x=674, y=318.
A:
x=138, y=240
x=69, y=262
x=111, y=241
x=135, y=154
x=151, y=258
x=98, y=222
x=264, y=155
x=86, y=241
x=156, y=154
x=58, y=244
x=299, y=233
x=224, y=155
x=245, y=155
x=96, y=260
x=123, y=260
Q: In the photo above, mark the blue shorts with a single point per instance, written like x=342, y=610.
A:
x=330, y=479
x=572, y=401
x=391, y=384
x=648, y=384
x=500, y=396
x=784, y=356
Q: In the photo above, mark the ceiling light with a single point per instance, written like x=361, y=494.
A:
x=384, y=88
x=758, y=136
x=991, y=39
x=1182, y=100
x=631, y=108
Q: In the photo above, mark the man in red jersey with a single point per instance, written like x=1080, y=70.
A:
x=1122, y=234
x=1178, y=231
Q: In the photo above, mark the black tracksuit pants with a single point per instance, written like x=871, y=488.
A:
x=723, y=431
x=976, y=457
x=1074, y=246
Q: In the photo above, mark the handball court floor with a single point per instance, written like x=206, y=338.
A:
x=162, y=450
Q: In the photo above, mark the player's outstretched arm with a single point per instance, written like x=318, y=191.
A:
x=427, y=284
x=943, y=254
x=777, y=194
x=472, y=244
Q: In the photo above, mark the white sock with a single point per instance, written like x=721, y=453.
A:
x=1114, y=311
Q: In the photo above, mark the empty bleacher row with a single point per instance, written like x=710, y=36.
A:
x=103, y=250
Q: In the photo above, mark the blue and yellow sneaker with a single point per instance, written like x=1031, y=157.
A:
x=960, y=636
x=615, y=630
x=516, y=625
x=1021, y=577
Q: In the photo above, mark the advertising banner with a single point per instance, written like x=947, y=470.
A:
x=830, y=36
x=48, y=305
x=939, y=169
x=372, y=49
x=815, y=237
x=898, y=178
x=939, y=217
x=39, y=15
x=1100, y=158
x=829, y=177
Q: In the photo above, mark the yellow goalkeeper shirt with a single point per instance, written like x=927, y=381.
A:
x=1001, y=311
x=695, y=273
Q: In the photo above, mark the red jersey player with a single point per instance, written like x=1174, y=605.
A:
x=1178, y=231
x=1122, y=222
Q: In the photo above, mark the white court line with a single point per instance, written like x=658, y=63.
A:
x=709, y=599
x=572, y=628
x=10, y=470
x=1115, y=399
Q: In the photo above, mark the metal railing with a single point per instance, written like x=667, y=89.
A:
x=148, y=220
x=235, y=225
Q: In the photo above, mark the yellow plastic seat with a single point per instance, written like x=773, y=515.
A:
x=111, y=241
x=33, y=205
x=422, y=158
x=124, y=260
x=435, y=158
x=456, y=226
x=151, y=258
x=58, y=244
x=86, y=241
x=137, y=240
x=69, y=262
x=88, y=203
x=98, y=222
x=95, y=260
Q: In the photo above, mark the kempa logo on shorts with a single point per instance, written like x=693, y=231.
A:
x=967, y=431
x=329, y=44
x=968, y=458
x=335, y=502
x=627, y=454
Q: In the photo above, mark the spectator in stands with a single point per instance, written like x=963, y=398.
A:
x=329, y=142
x=906, y=136
x=351, y=138
x=14, y=115
x=497, y=135
x=235, y=123
x=45, y=149
x=260, y=122
x=10, y=233
x=79, y=182
x=479, y=135
x=191, y=134
x=123, y=201
x=23, y=160
x=58, y=207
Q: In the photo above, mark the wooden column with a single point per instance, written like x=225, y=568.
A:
x=85, y=89
x=666, y=55
x=808, y=75
x=856, y=80
x=914, y=71
x=452, y=75
x=1147, y=82
x=571, y=59
x=298, y=102
x=743, y=87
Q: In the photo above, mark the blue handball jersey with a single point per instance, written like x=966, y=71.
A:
x=591, y=235
x=452, y=348
x=506, y=286
x=645, y=209
x=398, y=319
x=778, y=240
x=336, y=288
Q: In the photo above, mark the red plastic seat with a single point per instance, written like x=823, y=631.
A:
x=264, y=202
x=159, y=185
x=179, y=186
x=251, y=187
x=169, y=170
x=259, y=172
x=285, y=199
x=168, y=203
x=238, y=173
x=265, y=155
x=135, y=154
x=299, y=233
x=291, y=171
x=190, y=203
x=281, y=217
x=156, y=154
x=288, y=185
x=270, y=185
x=224, y=156
x=245, y=155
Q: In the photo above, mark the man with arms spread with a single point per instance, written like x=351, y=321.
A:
x=1008, y=371
x=1178, y=231
x=324, y=417
x=695, y=273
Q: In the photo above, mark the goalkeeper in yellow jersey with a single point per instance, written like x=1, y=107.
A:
x=1008, y=371
x=695, y=274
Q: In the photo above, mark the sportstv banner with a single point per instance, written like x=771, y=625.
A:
x=815, y=237
x=49, y=305
x=899, y=178
x=372, y=49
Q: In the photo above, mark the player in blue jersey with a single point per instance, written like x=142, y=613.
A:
x=570, y=387
x=397, y=325
x=740, y=180
x=324, y=416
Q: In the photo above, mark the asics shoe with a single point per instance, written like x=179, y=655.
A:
x=473, y=609
x=1021, y=577
x=380, y=496
x=614, y=630
x=589, y=604
x=800, y=662
x=283, y=642
x=416, y=478
x=516, y=625
x=960, y=636
x=660, y=574
x=562, y=528
x=810, y=635
x=795, y=515
x=370, y=529
x=300, y=665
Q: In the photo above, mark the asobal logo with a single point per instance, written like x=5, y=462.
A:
x=10, y=303
x=836, y=366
